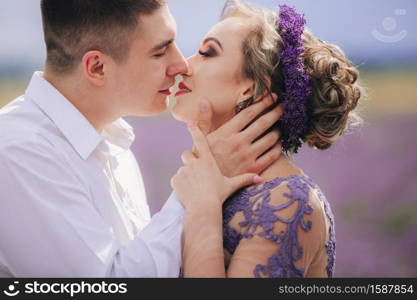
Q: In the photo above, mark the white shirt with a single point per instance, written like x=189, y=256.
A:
x=72, y=201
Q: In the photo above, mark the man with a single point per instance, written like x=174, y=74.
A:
x=73, y=202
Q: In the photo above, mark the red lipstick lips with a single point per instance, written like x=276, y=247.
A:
x=183, y=89
x=182, y=86
x=166, y=92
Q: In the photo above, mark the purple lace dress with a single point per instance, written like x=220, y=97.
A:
x=262, y=217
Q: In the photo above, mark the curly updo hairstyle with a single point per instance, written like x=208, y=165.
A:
x=336, y=91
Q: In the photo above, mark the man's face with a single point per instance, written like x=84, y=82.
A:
x=141, y=84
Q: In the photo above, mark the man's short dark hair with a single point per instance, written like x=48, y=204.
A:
x=74, y=27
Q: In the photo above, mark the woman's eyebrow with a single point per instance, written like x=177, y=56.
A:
x=214, y=40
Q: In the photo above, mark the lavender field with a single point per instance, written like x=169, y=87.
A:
x=370, y=179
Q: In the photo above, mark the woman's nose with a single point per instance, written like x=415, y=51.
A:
x=189, y=66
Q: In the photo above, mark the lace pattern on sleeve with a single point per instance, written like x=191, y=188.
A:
x=260, y=216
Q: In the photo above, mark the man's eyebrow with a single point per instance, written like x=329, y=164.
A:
x=214, y=40
x=162, y=45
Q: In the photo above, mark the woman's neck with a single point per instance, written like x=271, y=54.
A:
x=282, y=167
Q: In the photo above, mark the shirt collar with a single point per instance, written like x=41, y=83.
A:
x=84, y=138
x=117, y=138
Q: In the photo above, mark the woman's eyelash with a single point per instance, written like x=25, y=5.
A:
x=206, y=53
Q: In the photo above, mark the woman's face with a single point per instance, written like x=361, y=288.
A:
x=215, y=75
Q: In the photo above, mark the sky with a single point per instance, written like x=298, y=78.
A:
x=370, y=31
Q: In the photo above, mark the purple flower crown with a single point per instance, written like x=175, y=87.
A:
x=297, y=84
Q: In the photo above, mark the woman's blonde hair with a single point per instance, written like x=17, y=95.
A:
x=336, y=91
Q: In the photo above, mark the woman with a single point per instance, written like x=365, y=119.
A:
x=283, y=227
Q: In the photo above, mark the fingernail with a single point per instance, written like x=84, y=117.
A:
x=203, y=107
x=257, y=179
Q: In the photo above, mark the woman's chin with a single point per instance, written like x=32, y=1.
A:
x=179, y=114
x=178, y=118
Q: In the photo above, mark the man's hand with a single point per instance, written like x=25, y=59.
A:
x=234, y=149
x=202, y=189
x=200, y=179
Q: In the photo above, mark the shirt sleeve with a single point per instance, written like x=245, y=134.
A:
x=50, y=227
x=282, y=233
x=162, y=238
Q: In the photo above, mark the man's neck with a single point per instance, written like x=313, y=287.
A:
x=87, y=102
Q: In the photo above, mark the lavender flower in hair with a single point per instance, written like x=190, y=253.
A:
x=297, y=86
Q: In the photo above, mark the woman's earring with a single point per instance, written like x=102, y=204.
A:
x=242, y=105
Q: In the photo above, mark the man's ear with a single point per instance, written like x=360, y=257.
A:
x=93, y=63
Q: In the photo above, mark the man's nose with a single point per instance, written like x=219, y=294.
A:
x=179, y=65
